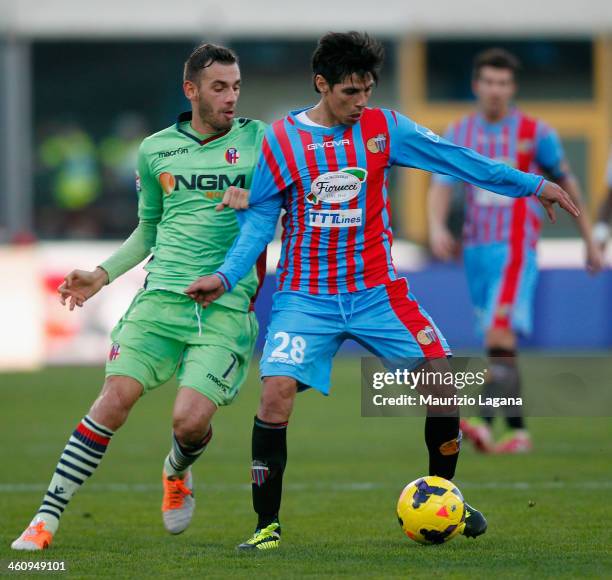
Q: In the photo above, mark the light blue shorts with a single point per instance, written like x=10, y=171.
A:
x=306, y=331
x=502, y=285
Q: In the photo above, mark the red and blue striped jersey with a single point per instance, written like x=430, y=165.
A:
x=519, y=141
x=333, y=184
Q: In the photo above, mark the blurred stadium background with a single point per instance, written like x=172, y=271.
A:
x=81, y=83
x=80, y=87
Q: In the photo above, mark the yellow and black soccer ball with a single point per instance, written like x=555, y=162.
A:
x=431, y=510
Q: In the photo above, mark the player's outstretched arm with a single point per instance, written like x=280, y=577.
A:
x=415, y=146
x=133, y=251
x=80, y=285
x=257, y=225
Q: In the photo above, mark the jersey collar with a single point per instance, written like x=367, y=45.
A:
x=510, y=115
x=314, y=129
x=187, y=116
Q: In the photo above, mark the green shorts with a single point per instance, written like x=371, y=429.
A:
x=163, y=333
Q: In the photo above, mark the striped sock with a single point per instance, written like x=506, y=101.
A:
x=181, y=457
x=78, y=461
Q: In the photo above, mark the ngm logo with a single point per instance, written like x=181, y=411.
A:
x=203, y=182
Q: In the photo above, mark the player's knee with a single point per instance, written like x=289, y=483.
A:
x=277, y=399
x=190, y=431
x=501, y=338
x=118, y=396
x=192, y=415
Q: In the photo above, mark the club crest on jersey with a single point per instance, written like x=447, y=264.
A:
x=232, y=155
x=337, y=186
x=426, y=336
x=115, y=351
x=377, y=144
x=524, y=145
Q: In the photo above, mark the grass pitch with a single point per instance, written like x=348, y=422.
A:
x=342, y=482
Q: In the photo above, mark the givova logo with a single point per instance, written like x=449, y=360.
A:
x=328, y=144
x=203, y=182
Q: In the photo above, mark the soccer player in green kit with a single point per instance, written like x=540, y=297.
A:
x=188, y=175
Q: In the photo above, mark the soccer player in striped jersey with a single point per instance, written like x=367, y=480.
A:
x=500, y=234
x=328, y=166
x=183, y=176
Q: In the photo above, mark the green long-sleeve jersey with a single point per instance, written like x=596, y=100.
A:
x=182, y=176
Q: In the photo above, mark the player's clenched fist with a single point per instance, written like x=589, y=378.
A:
x=80, y=285
x=235, y=197
x=206, y=290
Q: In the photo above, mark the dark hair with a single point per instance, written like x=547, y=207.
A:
x=497, y=58
x=205, y=55
x=341, y=54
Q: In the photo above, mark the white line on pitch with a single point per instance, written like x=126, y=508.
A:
x=348, y=486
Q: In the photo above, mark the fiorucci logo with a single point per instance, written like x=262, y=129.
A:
x=337, y=186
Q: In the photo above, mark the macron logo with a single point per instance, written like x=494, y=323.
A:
x=327, y=144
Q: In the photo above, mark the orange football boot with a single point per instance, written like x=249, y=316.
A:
x=178, y=503
x=35, y=537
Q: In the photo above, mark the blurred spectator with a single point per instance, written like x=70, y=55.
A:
x=68, y=182
x=118, y=153
x=70, y=155
x=86, y=189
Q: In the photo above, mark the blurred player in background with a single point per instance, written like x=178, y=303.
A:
x=601, y=230
x=328, y=166
x=183, y=172
x=500, y=233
